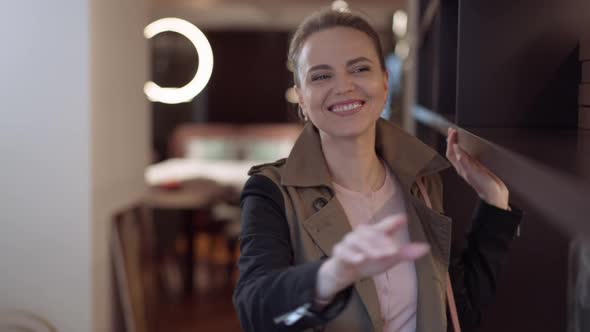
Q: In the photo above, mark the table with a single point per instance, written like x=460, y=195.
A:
x=193, y=187
x=226, y=172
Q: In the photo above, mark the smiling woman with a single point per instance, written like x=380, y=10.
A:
x=348, y=233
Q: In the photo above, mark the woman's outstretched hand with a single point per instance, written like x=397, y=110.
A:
x=364, y=252
x=487, y=185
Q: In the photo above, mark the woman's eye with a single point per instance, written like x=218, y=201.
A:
x=320, y=77
x=361, y=69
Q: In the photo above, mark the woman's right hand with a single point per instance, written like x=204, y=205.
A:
x=367, y=251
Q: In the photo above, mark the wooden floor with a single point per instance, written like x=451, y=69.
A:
x=209, y=307
x=204, y=311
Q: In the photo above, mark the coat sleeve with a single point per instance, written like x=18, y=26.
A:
x=272, y=294
x=474, y=269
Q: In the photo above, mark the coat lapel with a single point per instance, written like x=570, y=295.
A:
x=327, y=227
x=429, y=269
x=437, y=228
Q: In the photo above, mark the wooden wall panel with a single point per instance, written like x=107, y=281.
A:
x=584, y=117
x=585, y=50
x=585, y=45
x=518, y=63
x=585, y=94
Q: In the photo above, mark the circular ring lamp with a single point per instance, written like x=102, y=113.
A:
x=188, y=92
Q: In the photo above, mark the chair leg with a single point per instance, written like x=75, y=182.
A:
x=190, y=252
x=231, y=264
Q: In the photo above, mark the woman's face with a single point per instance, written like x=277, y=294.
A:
x=342, y=88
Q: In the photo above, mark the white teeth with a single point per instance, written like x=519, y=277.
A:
x=344, y=108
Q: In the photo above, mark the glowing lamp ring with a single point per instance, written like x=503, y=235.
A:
x=188, y=92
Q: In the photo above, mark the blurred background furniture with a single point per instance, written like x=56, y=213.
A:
x=134, y=270
x=196, y=192
x=183, y=209
x=19, y=320
x=216, y=141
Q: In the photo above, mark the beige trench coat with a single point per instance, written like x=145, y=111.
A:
x=317, y=221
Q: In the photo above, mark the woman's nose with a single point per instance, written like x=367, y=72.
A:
x=344, y=84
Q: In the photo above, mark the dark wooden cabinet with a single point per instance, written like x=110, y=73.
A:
x=513, y=76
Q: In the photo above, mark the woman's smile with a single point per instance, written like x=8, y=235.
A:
x=347, y=107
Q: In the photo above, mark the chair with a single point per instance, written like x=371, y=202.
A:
x=20, y=320
x=133, y=270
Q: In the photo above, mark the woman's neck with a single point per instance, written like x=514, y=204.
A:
x=353, y=162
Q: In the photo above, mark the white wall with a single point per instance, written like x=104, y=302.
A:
x=73, y=141
x=45, y=161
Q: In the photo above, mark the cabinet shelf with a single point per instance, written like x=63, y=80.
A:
x=548, y=168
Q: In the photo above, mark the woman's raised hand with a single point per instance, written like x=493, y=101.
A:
x=365, y=252
x=488, y=186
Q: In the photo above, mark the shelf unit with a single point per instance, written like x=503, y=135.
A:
x=513, y=77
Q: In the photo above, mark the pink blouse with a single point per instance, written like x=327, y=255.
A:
x=397, y=288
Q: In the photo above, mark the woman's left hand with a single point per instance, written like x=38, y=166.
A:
x=487, y=185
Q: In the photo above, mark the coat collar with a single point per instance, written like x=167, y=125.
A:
x=405, y=155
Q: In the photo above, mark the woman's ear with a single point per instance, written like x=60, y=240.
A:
x=298, y=94
x=301, y=107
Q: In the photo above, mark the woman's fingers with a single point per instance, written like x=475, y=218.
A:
x=391, y=224
x=376, y=241
x=407, y=253
x=474, y=172
x=458, y=163
x=376, y=245
x=348, y=254
x=450, y=138
x=371, y=249
x=451, y=153
x=464, y=163
x=413, y=251
x=366, y=252
x=488, y=186
x=479, y=166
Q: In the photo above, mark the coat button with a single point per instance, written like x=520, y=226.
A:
x=319, y=203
